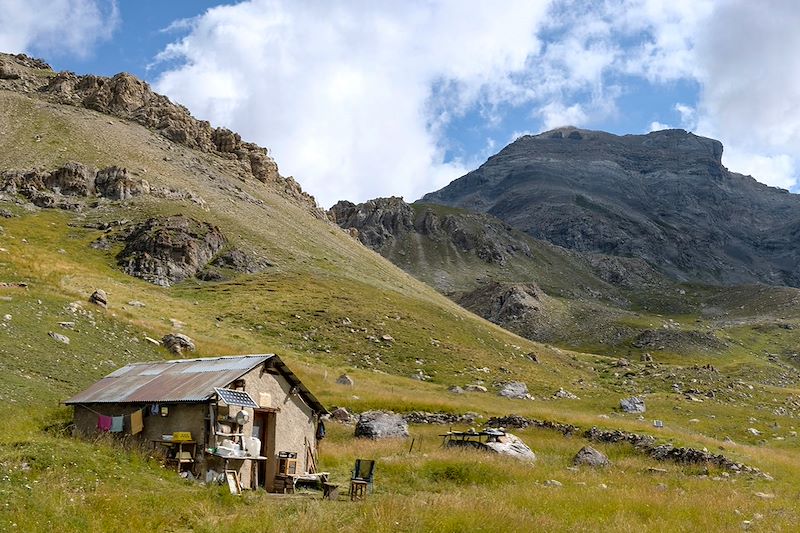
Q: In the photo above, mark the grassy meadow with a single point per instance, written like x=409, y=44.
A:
x=324, y=308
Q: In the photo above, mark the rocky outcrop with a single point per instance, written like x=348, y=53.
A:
x=664, y=198
x=381, y=425
x=678, y=340
x=378, y=221
x=167, y=250
x=384, y=223
x=116, y=184
x=66, y=185
x=505, y=302
x=130, y=98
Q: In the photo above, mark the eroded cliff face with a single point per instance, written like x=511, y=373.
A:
x=664, y=198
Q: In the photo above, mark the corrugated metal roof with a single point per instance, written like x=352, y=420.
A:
x=181, y=380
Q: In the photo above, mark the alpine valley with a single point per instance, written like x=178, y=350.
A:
x=573, y=279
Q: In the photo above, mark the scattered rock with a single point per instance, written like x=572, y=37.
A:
x=7, y=318
x=344, y=379
x=136, y=303
x=381, y=425
x=178, y=343
x=647, y=358
x=764, y=495
x=475, y=388
x=565, y=395
x=514, y=390
x=753, y=431
x=590, y=457
x=99, y=297
x=152, y=341
x=455, y=389
x=342, y=415
x=387, y=338
x=59, y=337
x=553, y=483
x=632, y=405
x=67, y=325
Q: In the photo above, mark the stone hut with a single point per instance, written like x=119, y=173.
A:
x=205, y=414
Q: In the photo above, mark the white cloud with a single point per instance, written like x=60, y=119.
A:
x=55, y=26
x=354, y=98
x=658, y=126
x=776, y=170
x=351, y=97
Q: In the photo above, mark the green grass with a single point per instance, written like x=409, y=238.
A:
x=324, y=308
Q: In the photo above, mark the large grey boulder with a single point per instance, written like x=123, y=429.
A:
x=381, y=425
x=632, y=405
x=514, y=389
x=178, y=343
x=512, y=446
x=589, y=456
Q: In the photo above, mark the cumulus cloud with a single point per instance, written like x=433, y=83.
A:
x=352, y=97
x=55, y=26
x=355, y=98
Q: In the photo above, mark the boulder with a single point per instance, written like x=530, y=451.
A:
x=59, y=337
x=344, y=379
x=512, y=446
x=455, y=389
x=342, y=415
x=99, y=297
x=514, y=390
x=178, y=343
x=647, y=358
x=565, y=395
x=475, y=388
x=381, y=425
x=590, y=457
x=632, y=405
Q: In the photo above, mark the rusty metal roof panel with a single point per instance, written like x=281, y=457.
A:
x=184, y=380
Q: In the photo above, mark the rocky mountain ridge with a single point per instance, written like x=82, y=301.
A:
x=130, y=98
x=664, y=197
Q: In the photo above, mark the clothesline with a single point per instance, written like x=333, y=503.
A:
x=115, y=424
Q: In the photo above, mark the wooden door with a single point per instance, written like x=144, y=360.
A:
x=264, y=429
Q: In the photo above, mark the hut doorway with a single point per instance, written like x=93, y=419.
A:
x=264, y=430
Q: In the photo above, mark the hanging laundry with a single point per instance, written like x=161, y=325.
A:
x=154, y=410
x=116, y=424
x=136, y=422
x=104, y=422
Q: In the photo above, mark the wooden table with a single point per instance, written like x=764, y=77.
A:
x=254, y=458
x=178, y=460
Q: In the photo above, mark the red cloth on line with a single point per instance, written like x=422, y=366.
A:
x=104, y=422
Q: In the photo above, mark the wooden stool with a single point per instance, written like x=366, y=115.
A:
x=358, y=489
x=330, y=491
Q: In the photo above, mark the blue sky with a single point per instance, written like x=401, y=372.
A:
x=360, y=99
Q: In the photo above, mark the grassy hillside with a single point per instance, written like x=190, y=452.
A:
x=324, y=307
